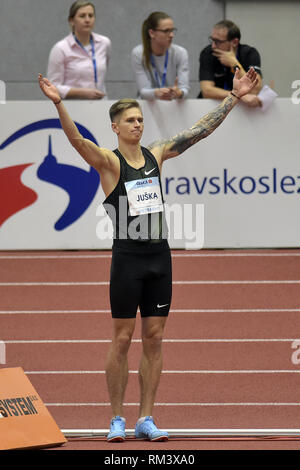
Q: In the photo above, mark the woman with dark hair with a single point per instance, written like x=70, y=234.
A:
x=78, y=63
x=161, y=68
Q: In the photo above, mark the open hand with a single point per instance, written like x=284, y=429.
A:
x=48, y=89
x=242, y=86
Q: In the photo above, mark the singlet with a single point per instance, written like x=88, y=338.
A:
x=136, y=206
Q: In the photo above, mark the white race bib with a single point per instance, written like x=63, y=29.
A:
x=144, y=196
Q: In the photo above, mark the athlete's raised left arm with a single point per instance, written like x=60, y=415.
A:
x=174, y=146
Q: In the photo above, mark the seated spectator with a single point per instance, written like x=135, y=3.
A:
x=78, y=63
x=161, y=68
x=219, y=60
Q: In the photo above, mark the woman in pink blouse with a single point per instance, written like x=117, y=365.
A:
x=78, y=63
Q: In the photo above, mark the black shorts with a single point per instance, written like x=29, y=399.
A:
x=141, y=279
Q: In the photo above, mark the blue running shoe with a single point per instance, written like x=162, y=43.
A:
x=117, y=430
x=148, y=430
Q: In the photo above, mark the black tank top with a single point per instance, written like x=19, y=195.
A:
x=135, y=206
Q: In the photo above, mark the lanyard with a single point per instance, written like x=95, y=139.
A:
x=163, y=81
x=93, y=55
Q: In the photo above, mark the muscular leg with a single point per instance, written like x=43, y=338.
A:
x=117, y=364
x=151, y=362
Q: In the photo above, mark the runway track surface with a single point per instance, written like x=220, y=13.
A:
x=231, y=346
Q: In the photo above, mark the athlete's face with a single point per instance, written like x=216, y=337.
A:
x=129, y=125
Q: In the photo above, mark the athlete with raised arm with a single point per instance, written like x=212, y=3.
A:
x=141, y=261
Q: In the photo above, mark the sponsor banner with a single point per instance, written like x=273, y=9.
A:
x=25, y=421
x=239, y=187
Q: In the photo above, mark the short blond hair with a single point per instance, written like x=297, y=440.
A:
x=121, y=106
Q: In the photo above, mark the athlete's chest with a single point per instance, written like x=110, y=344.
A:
x=142, y=187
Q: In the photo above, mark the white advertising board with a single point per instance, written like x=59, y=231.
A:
x=239, y=187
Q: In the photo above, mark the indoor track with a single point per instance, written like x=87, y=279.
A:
x=231, y=347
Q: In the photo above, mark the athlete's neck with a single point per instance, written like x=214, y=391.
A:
x=132, y=153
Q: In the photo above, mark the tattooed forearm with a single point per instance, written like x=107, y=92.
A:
x=204, y=127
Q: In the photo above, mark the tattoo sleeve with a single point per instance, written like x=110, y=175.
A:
x=204, y=127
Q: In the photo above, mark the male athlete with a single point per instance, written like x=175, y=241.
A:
x=141, y=262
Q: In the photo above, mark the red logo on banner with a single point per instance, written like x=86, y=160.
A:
x=14, y=195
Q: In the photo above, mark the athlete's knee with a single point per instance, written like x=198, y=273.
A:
x=122, y=337
x=152, y=340
x=122, y=343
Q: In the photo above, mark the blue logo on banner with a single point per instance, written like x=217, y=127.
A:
x=80, y=185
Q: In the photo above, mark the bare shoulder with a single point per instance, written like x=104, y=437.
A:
x=158, y=149
x=107, y=153
x=100, y=158
x=108, y=166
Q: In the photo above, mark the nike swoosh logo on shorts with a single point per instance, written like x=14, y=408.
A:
x=150, y=171
x=160, y=306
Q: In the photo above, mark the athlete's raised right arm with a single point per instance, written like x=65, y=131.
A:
x=99, y=158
